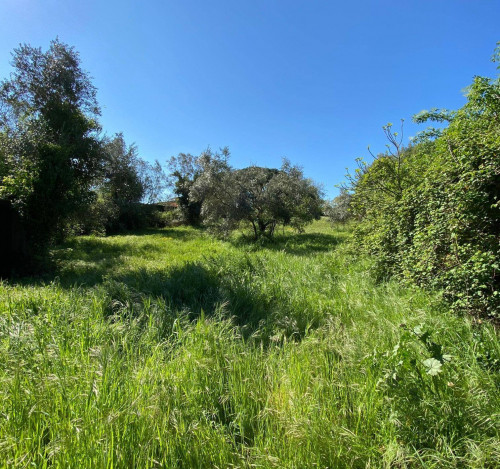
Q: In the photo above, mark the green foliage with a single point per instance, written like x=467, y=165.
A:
x=260, y=197
x=184, y=170
x=423, y=382
x=154, y=181
x=55, y=171
x=124, y=181
x=431, y=210
x=49, y=139
x=339, y=209
x=174, y=349
x=121, y=178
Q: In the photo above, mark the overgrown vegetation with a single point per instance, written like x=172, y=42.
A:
x=172, y=349
x=48, y=140
x=125, y=181
x=59, y=176
x=225, y=198
x=167, y=347
x=185, y=169
x=57, y=173
x=339, y=210
x=431, y=211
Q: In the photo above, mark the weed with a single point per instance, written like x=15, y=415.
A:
x=168, y=348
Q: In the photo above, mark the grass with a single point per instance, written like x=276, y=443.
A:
x=171, y=349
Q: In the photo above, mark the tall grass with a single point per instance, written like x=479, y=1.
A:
x=171, y=349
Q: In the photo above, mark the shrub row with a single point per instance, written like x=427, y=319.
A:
x=430, y=212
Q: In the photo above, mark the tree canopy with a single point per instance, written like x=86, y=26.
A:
x=184, y=170
x=56, y=169
x=49, y=138
x=339, y=209
x=262, y=197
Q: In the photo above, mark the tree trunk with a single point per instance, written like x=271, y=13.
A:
x=256, y=235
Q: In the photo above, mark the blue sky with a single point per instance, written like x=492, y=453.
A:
x=310, y=80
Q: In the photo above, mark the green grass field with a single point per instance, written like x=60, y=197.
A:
x=169, y=348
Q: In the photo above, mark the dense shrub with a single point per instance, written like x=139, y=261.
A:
x=124, y=183
x=185, y=169
x=431, y=211
x=57, y=174
x=105, y=217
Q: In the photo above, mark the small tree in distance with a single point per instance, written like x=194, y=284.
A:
x=125, y=182
x=184, y=170
x=339, y=209
x=262, y=197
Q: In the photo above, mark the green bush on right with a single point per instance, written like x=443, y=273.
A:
x=431, y=211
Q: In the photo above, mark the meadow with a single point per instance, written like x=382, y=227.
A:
x=170, y=348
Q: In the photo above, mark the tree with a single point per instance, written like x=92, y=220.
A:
x=339, y=209
x=154, y=181
x=184, y=171
x=125, y=182
x=263, y=197
x=122, y=181
x=49, y=144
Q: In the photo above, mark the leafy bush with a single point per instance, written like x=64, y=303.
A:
x=94, y=219
x=431, y=210
x=184, y=170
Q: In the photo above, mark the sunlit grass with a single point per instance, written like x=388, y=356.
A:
x=172, y=349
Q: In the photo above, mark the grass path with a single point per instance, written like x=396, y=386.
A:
x=171, y=349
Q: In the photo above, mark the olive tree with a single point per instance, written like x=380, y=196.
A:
x=339, y=209
x=262, y=197
x=183, y=172
x=49, y=139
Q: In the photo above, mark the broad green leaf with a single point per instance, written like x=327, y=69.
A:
x=433, y=366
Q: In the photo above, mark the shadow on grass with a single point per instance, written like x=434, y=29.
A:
x=191, y=288
x=300, y=244
x=179, y=233
x=87, y=261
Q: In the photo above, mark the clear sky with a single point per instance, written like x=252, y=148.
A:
x=310, y=80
